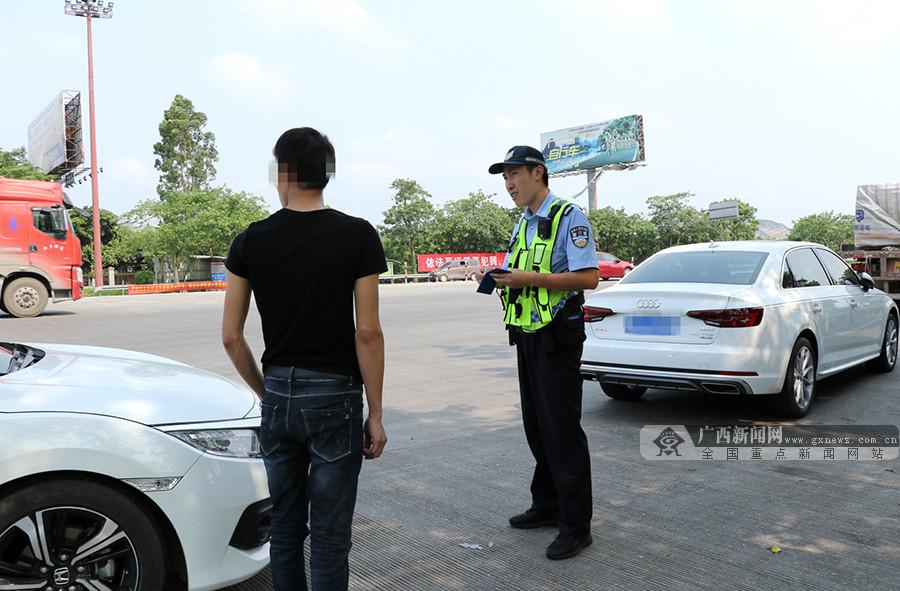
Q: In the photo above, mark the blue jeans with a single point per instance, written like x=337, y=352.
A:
x=311, y=435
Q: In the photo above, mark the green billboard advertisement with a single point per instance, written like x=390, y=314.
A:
x=597, y=145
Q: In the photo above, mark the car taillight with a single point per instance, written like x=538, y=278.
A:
x=594, y=314
x=736, y=318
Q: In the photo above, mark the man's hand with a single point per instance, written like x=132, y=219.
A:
x=515, y=279
x=479, y=274
x=374, y=438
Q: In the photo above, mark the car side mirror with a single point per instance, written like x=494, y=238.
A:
x=866, y=281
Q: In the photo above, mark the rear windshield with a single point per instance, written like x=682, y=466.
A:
x=724, y=266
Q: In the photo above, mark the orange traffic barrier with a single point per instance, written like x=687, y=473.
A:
x=177, y=287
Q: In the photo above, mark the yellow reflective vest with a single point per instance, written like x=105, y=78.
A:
x=532, y=308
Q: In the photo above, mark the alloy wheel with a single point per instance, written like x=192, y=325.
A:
x=804, y=377
x=67, y=549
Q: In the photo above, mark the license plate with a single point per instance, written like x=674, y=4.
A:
x=660, y=326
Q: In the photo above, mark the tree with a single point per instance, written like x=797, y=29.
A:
x=676, y=221
x=742, y=228
x=409, y=222
x=186, y=154
x=831, y=229
x=193, y=223
x=82, y=222
x=14, y=165
x=472, y=224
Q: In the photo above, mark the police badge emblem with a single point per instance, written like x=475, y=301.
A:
x=579, y=235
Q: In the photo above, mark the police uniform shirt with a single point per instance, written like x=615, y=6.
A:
x=574, y=249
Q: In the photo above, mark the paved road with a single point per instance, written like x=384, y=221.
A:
x=457, y=464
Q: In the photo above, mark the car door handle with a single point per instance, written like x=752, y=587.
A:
x=817, y=309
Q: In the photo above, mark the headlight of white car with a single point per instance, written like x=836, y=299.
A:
x=234, y=443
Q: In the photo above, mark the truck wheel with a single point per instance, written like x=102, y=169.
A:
x=25, y=297
x=78, y=534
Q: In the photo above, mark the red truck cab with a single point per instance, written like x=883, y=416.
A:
x=40, y=255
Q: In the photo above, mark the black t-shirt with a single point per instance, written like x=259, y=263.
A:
x=302, y=266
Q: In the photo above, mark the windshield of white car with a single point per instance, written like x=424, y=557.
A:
x=15, y=357
x=721, y=266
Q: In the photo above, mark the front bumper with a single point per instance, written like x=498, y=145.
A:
x=219, y=511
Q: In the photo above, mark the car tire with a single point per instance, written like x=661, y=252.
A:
x=623, y=392
x=886, y=362
x=25, y=297
x=80, y=511
x=625, y=272
x=799, y=389
x=442, y=278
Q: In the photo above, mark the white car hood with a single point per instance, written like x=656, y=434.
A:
x=135, y=386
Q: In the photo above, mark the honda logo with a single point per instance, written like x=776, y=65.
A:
x=61, y=576
x=648, y=304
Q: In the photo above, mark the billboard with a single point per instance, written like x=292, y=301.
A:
x=597, y=145
x=54, y=137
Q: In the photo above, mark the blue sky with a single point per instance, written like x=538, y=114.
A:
x=787, y=105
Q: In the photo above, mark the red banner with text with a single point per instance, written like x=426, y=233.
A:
x=430, y=262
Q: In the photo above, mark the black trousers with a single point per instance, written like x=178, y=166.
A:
x=550, y=385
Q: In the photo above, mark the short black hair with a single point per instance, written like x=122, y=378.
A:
x=545, y=178
x=306, y=155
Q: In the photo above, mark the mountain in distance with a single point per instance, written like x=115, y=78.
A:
x=771, y=230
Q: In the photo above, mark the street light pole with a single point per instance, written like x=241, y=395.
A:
x=95, y=9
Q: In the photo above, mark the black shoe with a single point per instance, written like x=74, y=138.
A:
x=568, y=545
x=531, y=519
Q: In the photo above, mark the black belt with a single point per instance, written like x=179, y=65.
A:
x=290, y=372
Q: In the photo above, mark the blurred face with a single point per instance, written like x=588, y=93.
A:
x=523, y=186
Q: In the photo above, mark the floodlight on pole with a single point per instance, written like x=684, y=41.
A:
x=92, y=9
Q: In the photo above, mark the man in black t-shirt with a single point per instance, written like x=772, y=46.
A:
x=309, y=269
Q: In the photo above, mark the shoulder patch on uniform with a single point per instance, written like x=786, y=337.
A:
x=579, y=235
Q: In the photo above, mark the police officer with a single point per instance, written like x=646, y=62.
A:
x=551, y=258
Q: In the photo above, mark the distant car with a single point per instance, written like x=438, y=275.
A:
x=762, y=317
x=611, y=266
x=121, y=470
x=462, y=270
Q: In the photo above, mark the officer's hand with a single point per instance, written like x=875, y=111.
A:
x=479, y=274
x=374, y=438
x=515, y=279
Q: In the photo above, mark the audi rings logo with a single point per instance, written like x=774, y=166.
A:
x=648, y=304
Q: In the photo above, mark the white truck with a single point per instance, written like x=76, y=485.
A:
x=876, y=236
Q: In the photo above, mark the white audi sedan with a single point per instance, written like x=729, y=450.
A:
x=125, y=471
x=761, y=317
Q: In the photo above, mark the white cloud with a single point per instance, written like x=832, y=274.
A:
x=347, y=19
x=129, y=170
x=244, y=74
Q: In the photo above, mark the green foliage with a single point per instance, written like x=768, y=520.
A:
x=409, y=222
x=144, y=277
x=192, y=223
x=472, y=224
x=14, y=165
x=186, y=154
x=831, y=229
x=628, y=236
x=83, y=222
